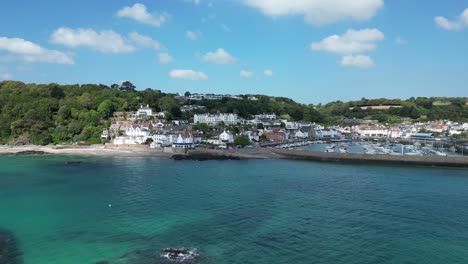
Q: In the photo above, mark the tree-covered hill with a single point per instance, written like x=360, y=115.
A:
x=53, y=113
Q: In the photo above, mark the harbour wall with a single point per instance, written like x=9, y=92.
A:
x=375, y=158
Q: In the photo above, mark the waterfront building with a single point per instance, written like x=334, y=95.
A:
x=329, y=133
x=372, y=131
x=184, y=141
x=226, y=137
x=137, y=131
x=275, y=136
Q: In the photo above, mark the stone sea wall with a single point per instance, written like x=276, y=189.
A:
x=322, y=157
x=366, y=158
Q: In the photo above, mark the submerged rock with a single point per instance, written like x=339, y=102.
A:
x=73, y=162
x=180, y=157
x=179, y=254
x=9, y=253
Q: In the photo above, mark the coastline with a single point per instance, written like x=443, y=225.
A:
x=234, y=154
x=93, y=150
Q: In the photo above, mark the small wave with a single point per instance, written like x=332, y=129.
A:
x=179, y=254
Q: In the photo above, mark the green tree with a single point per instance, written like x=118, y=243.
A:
x=105, y=108
x=167, y=103
x=242, y=140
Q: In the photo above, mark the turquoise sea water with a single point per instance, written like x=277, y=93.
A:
x=125, y=210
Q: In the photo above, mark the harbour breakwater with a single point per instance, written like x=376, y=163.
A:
x=375, y=158
x=242, y=154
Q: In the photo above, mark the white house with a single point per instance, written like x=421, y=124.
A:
x=265, y=117
x=327, y=133
x=228, y=119
x=372, y=132
x=302, y=133
x=144, y=111
x=464, y=126
x=137, y=131
x=184, y=141
x=160, y=115
x=105, y=134
x=226, y=137
x=160, y=140
x=253, y=135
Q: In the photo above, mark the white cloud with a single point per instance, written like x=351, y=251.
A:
x=401, y=41
x=360, y=61
x=219, y=56
x=188, y=75
x=145, y=41
x=106, y=41
x=353, y=41
x=246, y=74
x=139, y=13
x=165, y=58
x=268, y=73
x=319, y=12
x=193, y=35
x=30, y=52
x=460, y=23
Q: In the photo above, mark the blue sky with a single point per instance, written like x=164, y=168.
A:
x=310, y=50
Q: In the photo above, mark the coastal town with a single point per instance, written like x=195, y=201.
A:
x=147, y=128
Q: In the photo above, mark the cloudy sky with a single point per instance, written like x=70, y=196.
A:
x=310, y=50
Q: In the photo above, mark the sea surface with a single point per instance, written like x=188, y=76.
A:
x=125, y=210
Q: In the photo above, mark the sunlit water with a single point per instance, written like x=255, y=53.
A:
x=125, y=210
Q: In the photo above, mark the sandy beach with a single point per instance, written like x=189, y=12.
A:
x=93, y=150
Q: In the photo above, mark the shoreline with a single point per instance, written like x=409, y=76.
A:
x=235, y=154
x=93, y=150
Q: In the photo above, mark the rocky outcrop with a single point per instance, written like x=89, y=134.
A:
x=9, y=252
x=72, y=162
x=180, y=255
x=202, y=155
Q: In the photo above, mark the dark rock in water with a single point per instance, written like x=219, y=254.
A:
x=180, y=157
x=30, y=152
x=180, y=255
x=201, y=156
x=9, y=253
x=73, y=162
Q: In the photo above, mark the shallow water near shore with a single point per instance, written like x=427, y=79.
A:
x=125, y=210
